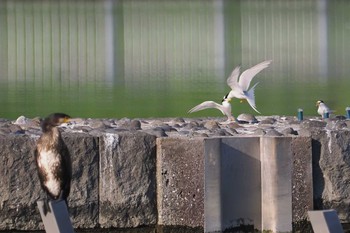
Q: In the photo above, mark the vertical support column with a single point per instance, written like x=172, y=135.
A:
x=212, y=186
x=286, y=181
x=57, y=219
x=276, y=180
x=325, y=221
x=232, y=184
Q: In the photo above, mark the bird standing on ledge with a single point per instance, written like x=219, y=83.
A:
x=323, y=108
x=53, y=160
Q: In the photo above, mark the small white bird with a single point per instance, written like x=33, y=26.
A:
x=322, y=108
x=224, y=107
x=240, y=88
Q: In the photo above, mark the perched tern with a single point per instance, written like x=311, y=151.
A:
x=240, y=88
x=322, y=108
x=224, y=107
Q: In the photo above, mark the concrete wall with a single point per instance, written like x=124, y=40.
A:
x=250, y=183
x=132, y=179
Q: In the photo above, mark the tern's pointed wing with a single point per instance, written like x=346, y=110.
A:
x=205, y=105
x=232, y=81
x=247, y=76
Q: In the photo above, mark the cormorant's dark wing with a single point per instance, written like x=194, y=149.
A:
x=66, y=167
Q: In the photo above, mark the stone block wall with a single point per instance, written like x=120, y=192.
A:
x=131, y=179
x=127, y=191
x=113, y=181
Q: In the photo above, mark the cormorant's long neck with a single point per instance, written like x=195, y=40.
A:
x=51, y=137
x=46, y=127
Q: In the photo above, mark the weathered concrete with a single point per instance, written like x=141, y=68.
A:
x=325, y=221
x=232, y=183
x=286, y=182
x=112, y=186
x=83, y=200
x=19, y=184
x=56, y=220
x=115, y=184
x=20, y=188
x=276, y=162
x=302, y=178
x=127, y=180
x=254, y=183
x=331, y=162
x=180, y=181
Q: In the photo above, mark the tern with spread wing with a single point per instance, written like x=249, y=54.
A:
x=224, y=107
x=240, y=87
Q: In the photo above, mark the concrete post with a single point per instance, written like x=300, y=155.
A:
x=286, y=178
x=325, y=221
x=232, y=184
x=276, y=180
x=256, y=183
x=57, y=220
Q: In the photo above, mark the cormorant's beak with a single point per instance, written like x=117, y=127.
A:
x=229, y=100
x=66, y=120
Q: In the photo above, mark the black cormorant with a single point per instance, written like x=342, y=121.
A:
x=53, y=160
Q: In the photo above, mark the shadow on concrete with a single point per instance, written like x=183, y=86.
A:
x=240, y=186
x=317, y=175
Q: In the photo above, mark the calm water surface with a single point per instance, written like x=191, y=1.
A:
x=160, y=58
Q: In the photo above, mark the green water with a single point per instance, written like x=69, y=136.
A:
x=161, y=58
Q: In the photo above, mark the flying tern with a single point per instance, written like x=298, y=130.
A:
x=240, y=87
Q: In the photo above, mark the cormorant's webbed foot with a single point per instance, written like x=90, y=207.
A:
x=46, y=206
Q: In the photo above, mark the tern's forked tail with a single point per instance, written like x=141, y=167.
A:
x=251, y=97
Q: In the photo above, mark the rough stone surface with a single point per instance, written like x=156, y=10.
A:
x=84, y=196
x=19, y=189
x=331, y=162
x=180, y=189
x=128, y=185
x=302, y=190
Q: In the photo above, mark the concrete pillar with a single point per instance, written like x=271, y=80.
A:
x=286, y=180
x=57, y=219
x=232, y=183
x=257, y=183
x=325, y=221
x=276, y=180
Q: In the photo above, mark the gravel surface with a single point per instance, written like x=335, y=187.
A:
x=185, y=127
